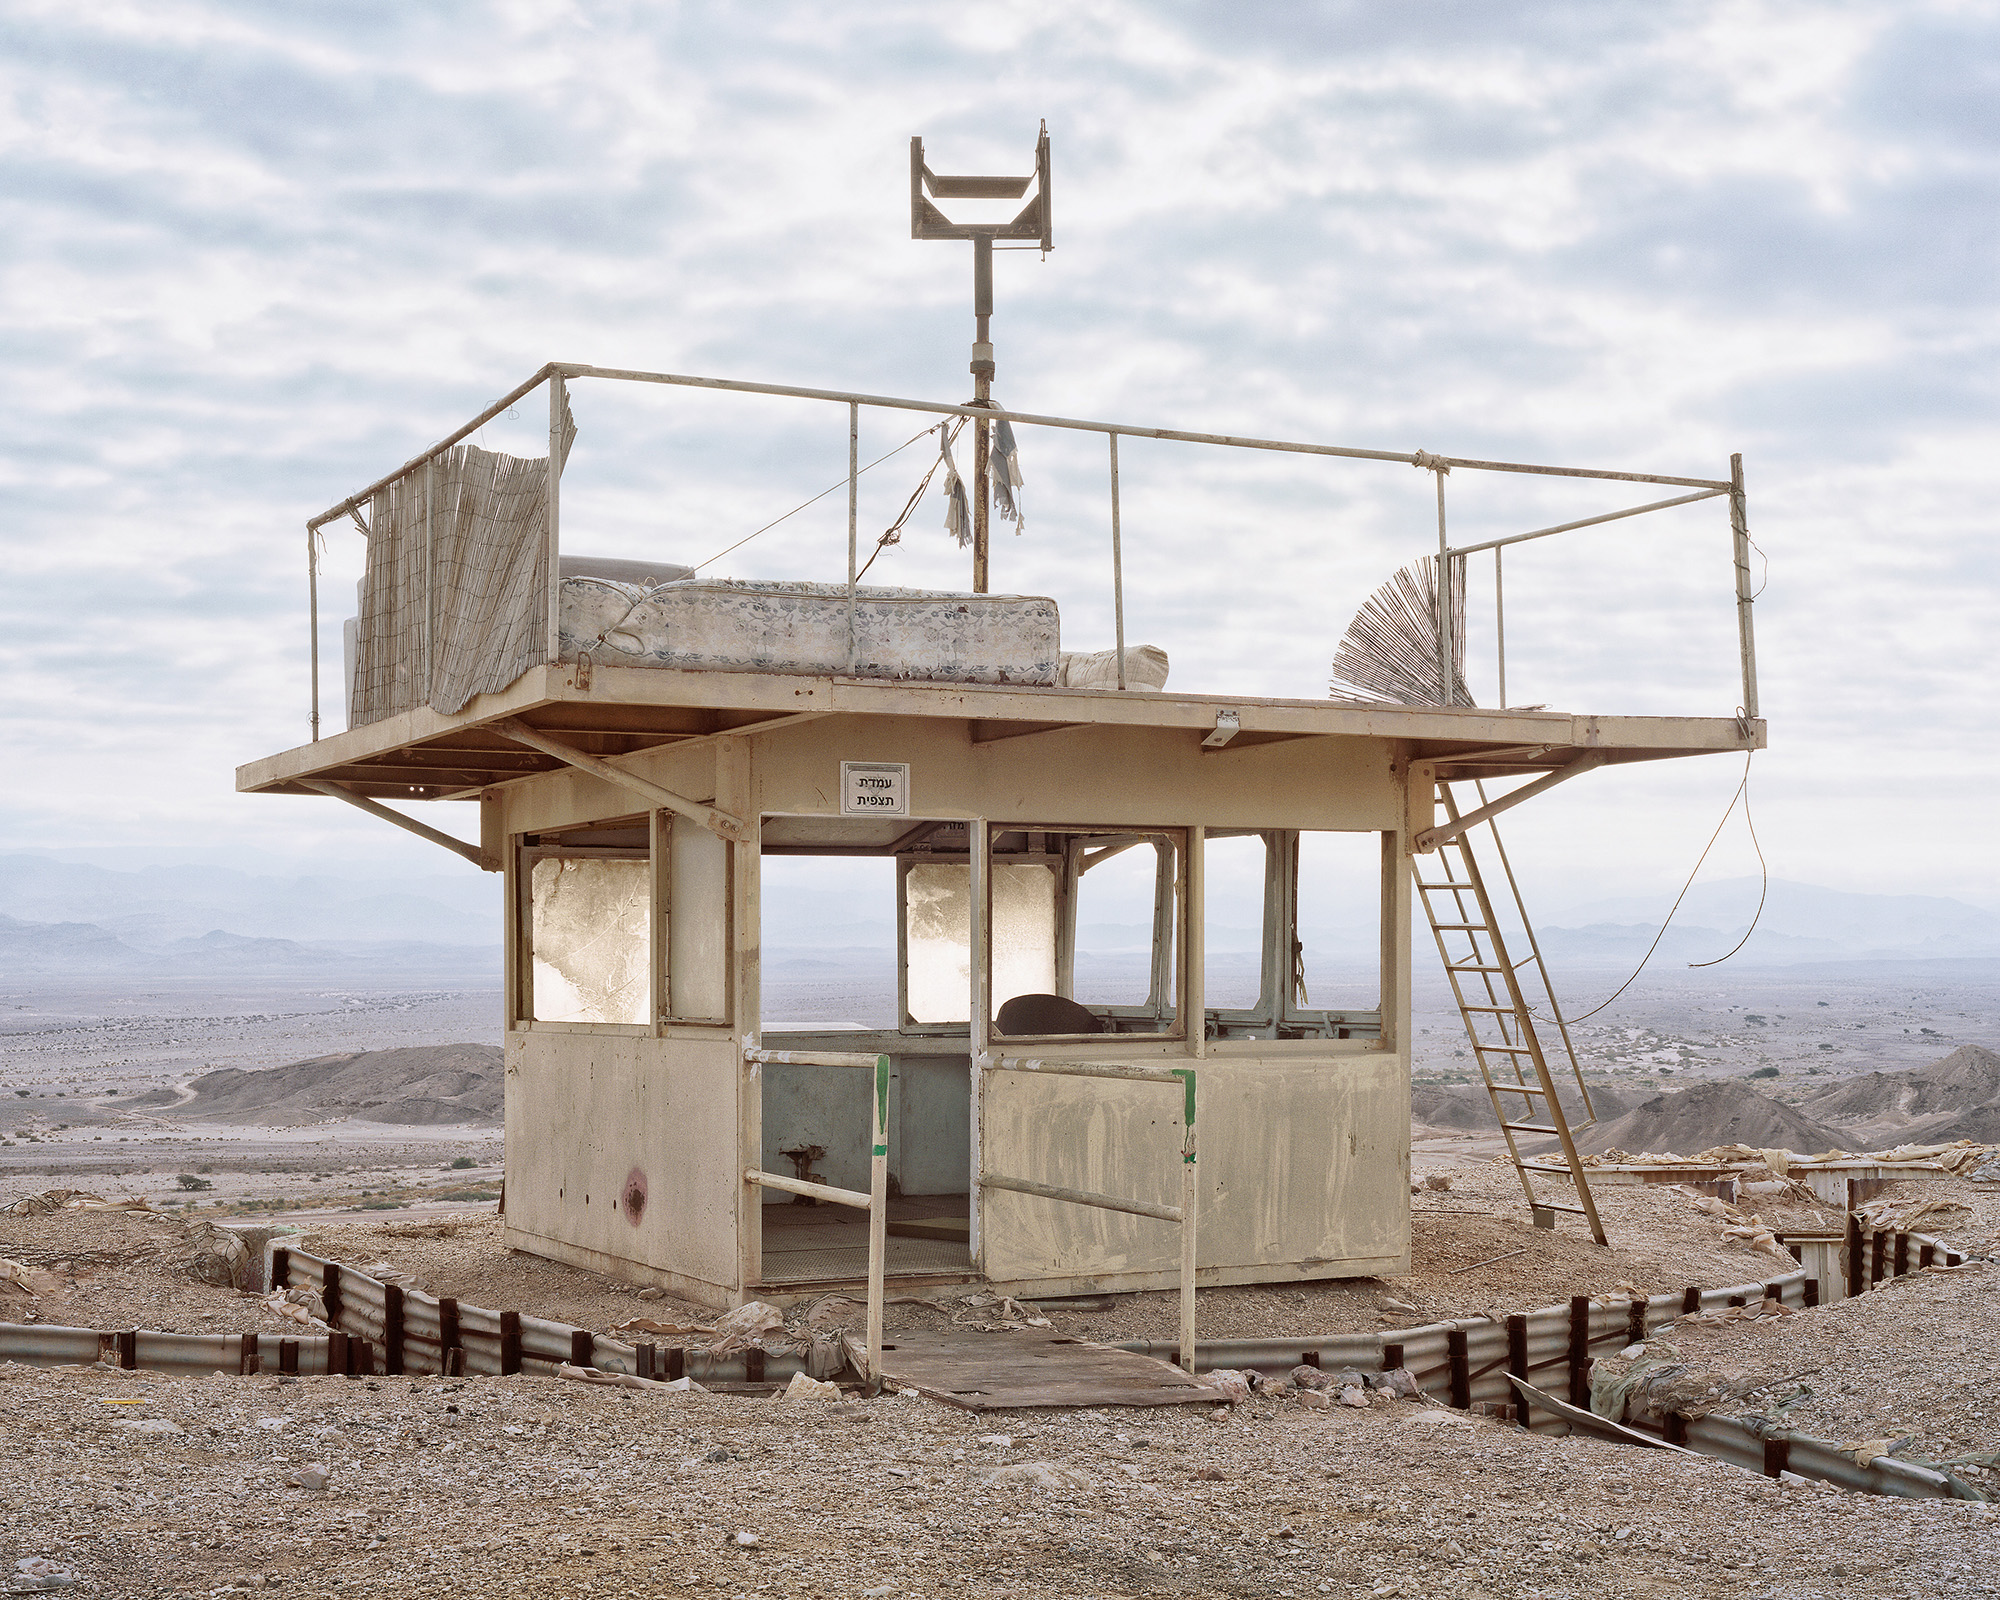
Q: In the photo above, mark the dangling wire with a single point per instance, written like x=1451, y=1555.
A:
x=1742, y=793
x=740, y=543
x=893, y=534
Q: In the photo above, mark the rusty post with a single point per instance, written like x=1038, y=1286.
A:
x=753, y=1365
x=392, y=1330
x=1855, y=1279
x=1674, y=1428
x=582, y=1347
x=338, y=1361
x=1926, y=1254
x=1517, y=1346
x=1579, y=1350
x=1812, y=1293
x=1878, y=1259
x=329, y=1292
x=676, y=1365
x=250, y=1360
x=510, y=1342
x=288, y=1356
x=1902, y=1267
x=451, y=1349
x=128, y=1348
x=1461, y=1369
x=281, y=1268
x=1635, y=1321
x=1690, y=1301
x=1777, y=1456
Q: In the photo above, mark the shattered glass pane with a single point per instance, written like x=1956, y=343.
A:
x=590, y=938
x=938, y=901
x=1024, y=931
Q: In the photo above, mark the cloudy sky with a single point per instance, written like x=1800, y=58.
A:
x=259, y=254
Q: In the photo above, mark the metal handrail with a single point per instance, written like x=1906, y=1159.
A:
x=558, y=373
x=875, y=1202
x=1183, y=1215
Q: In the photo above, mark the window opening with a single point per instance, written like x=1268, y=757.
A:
x=937, y=922
x=589, y=923
x=1337, y=953
x=1235, y=868
x=1075, y=953
x=828, y=942
x=1318, y=954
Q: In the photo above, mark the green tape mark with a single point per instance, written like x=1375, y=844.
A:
x=1186, y=1075
x=881, y=1150
x=882, y=1098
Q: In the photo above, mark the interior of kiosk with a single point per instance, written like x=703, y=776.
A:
x=1089, y=940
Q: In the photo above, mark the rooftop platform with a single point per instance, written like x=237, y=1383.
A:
x=611, y=711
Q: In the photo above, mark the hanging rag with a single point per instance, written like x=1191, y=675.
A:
x=957, y=509
x=1007, y=474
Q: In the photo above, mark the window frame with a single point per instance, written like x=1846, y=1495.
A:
x=1169, y=962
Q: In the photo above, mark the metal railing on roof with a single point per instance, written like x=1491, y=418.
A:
x=558, y=374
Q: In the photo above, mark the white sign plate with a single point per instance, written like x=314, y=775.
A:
x=874, y=789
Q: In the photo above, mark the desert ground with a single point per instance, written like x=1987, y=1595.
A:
x=148, y=1485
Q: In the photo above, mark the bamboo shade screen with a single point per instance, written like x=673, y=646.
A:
x=455, y=595
x=1390, y=649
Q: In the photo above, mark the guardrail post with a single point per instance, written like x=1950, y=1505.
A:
x=1189, y=1187
x=1746, y=629
x=329, y=1292
x=1579, y=1350
x=510, y=1343
x=451, y=1347
x=1460, y=1365
x=878, y=1217
x=1855, y=1280
x=392, y=1330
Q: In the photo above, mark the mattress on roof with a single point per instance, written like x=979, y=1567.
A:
x=741, y=625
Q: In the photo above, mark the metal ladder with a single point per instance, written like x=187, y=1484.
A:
x=1496, y=1014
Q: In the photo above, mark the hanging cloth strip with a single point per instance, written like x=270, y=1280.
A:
x=1006, y=472
x=957, y=509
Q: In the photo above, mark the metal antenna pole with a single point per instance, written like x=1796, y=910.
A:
x=982, y=394
x=1032, y=223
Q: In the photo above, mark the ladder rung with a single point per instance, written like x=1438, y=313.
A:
x=1505, y=1011
x=1551, y=1205
x=1463, y=927
x=1447, y=885
x=1505, y=1049
x=1529, y=1127
x=1460, y=966
x=1517, y=1088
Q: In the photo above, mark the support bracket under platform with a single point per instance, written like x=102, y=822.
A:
x=1431, y=838
x=422, y=830
x=717, y=822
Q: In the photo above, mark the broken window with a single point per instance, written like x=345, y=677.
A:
x=590, y=939
x=1314, y=969
x=595, y=907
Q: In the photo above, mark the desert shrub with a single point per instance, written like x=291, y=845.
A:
x=460, y=1163
x=189, y=1182
x=1763, y=1072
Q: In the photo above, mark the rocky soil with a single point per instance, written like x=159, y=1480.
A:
x=147, y=1486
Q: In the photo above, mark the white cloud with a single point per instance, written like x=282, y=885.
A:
x=257, y=257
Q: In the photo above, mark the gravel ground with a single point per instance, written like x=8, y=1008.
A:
x=1914, y=1358
x=535, y=1487
x=1660, y=1242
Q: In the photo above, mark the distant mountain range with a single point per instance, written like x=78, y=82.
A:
x=64, y=917
x=1801, y=922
